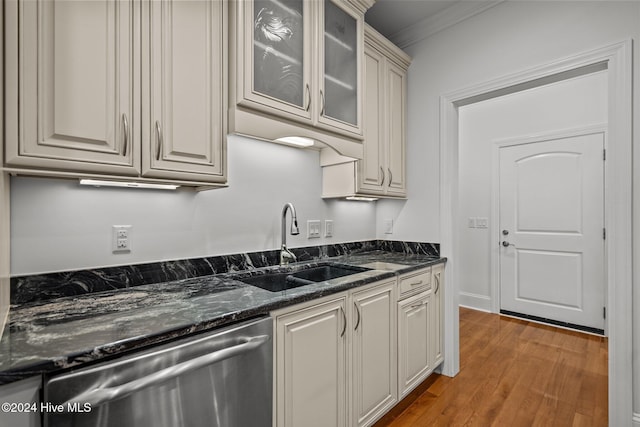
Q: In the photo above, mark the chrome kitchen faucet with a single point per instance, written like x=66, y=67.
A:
x=286, y=256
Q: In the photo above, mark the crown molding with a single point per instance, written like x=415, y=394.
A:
x=452, y=15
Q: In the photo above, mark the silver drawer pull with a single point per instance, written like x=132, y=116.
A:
x=418, y=305
x=158, y=140
x=416, y=283
x=99, y=396
x=125, y=137
x=344, y=319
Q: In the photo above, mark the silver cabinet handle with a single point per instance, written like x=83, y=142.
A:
x=308, y=93
x=437, y=277
x=390, y=177
x=416, y=283
x=99, y=396
x=344, y=319
x=357, y=311
x=158, y=140
x=382, y=171
x=418, y=305
x=322, y=109
x=125, y=136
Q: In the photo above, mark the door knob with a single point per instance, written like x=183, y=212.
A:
x=505, y=232
x=506, y=244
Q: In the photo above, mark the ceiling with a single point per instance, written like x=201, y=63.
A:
x=391, y=16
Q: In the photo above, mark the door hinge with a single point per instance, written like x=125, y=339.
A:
x=604, y=154
x=604, y=312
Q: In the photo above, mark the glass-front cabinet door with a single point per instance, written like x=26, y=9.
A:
x=341, y=48
x=277, y=69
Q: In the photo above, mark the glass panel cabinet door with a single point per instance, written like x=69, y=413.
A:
x=342, y=51
x=279, y=68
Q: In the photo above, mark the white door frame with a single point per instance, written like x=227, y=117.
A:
x=618, y=204
x=495, y=194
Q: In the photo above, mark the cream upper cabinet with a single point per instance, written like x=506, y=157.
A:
x=70, y=85
x=374, y=363
x=117, y=89
x=273, y=56
x=184, y=86
x=381, y=171
x=311, y=366
x=300, y=60
x=340, y=50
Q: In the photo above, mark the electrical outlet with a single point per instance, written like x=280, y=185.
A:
x=313, y=229
x=388, y=226
x=328, y=228
x=121, y=241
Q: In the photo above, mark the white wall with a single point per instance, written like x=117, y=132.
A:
x=569, y=104
x=58, y=225
x=508, y=38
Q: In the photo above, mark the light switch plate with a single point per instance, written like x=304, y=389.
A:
x=482, y=222
x=471, y=222
x=328, y=228
x=388, y=226
x=313, y=229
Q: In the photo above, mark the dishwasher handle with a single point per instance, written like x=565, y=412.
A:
x=101, y=395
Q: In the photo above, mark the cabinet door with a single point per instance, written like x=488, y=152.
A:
x=311, y=366
x=341, y=45
x=437, y=323
x=374, y=364
x=275, y=56
x=371, y=169
x=395, y=102
x=184, y=90
x=414, y=353
x=70, y=85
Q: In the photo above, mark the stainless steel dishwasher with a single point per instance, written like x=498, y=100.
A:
x=221, y=378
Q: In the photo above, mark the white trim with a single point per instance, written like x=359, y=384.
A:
x=475, y=301
x=494, y=227
x=636, y=419
x=618, y=202
x=446, y=18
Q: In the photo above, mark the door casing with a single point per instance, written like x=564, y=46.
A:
x=618, y=58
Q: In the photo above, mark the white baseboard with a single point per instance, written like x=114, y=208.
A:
x=636, y=419
x=475, y=301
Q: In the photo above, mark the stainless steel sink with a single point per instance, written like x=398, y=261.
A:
x=279, y=281
x=327, y=272
x=274, y=282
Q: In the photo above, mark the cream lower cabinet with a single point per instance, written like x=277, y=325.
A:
x=374, y=361
x=311, y=366
x=335, y=360
x=116, y=89
x=414, y=341
x=437, y=342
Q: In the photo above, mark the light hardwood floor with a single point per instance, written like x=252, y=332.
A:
x=513, y=373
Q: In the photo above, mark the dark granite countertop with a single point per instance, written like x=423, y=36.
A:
x=67, y=332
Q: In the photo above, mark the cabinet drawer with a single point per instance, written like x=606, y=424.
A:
x=415, y=282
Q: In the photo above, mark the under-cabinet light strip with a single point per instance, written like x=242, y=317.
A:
x=123, y=184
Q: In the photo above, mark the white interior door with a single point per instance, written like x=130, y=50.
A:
x=551, y=229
